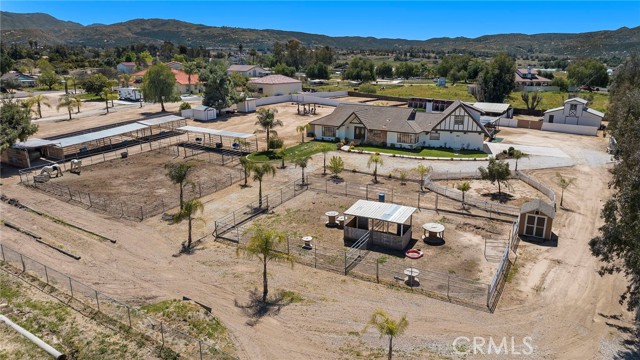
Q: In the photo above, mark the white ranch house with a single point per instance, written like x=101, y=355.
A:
x=274, y=85
x=573, y=117
x=247, y=70
x=458, y=127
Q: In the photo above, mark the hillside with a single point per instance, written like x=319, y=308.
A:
x=22, y=27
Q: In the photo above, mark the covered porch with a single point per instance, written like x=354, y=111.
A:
x=389, y=224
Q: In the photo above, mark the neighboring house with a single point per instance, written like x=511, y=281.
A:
x=275, y=85
x=126, y=67
x=23, y=79
x=247, y=70
x=573, y=112
x=182, y=81
x=174, y=65
x=536, y=219
x=458, y=127
x=430, y=105
x=495, y=109
x=530, y=77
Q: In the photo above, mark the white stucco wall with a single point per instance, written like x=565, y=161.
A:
x=278, y=89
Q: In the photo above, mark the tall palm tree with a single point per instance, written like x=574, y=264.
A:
x=423, y=171
x=259, y=172
x=302, y=162
x=178, y=174
x=247, y=165
x=78, y=101
x=38, y=101
x=375, y=159
x=564, y=183
x=187, y=212
x=388, y=326
x=190, y=68
x=67, y=102
x=267, y=121
x=302, y=129
x=107, y=95
x=263, y=244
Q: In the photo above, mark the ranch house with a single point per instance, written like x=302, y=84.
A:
x=274, y=85
x=457, y=127
x=574, y=112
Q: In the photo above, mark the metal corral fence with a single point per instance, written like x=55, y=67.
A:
x=175, y=339
x=509, y=257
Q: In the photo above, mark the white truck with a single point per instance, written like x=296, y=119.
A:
x=129, y=93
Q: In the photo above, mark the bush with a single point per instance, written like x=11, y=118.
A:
x=383, y=144
x=418, y=148
x=185, y=105
x=511, y=150
x=392, y=145
x=367, y=89
x=275, y=143
x=337, y=139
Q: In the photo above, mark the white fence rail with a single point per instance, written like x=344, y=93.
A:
x=570, y=129
x=318, y=98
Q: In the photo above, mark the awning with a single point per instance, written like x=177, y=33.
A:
x=393, y=213
x=161, y=120
x=231, y=134
x=33, y=143
x=103, y=134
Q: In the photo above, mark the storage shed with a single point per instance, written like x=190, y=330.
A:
x=247, y=106
x=388, y=224
x=536, y=219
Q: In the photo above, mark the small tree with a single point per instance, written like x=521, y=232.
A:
x=187, y=212
x=267, y=121
x=496, y=171
x=178, y=174
x=107, y=95
x=259, y=172
x=263, y=244
x=38, y=101
x=15, y=123
x=336, y=165
x=388, y=326
x=517, y=154
x=376, y=160
x=303, y=162
x=423, y=171
x=247, y=165
x=564, y=183
x=78, y=101
x=464, y=187
x=532, y=101
x=302, y=129
x=66, y=102
x=49, y=79
x=282, y=154
x=190, y=68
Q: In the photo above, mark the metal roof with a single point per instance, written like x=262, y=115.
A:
x=216, y=132
x=161, y=120
x=492, y=107
x=103, y=134
x=33, y=143
x=398, y=214
x=202, y=108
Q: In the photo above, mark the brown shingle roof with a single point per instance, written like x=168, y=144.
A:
x=274, y=80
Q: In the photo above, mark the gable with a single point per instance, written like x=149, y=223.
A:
x=459, y=120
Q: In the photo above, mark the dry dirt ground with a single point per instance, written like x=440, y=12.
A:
x=554, y=296
x=515, y=193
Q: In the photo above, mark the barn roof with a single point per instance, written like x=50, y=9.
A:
x=397, y=214
x=538, y=205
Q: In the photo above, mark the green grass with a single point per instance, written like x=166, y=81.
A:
x=291, y=296
x=552, y=100
x=177, y=311
x=426, y=152
x=295, y=152
x=453, y=92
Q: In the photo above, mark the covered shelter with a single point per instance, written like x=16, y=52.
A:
x=388, y=224
x=87, y=143
x=536, y=219
x=221, y=138
x=164, y=123
x=23, y=153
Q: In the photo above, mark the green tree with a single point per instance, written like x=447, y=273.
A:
x=95, y=83
x=44, y=65
x=285, y=70
x=247, y=166
x=219, y=89
x=562, y=83
x=423, y=171
x=188, y=210
x=49, y=79
x=617, y=244
x=498, y=79
x=303, y=162
x=267, y=121
x=68, y=102
x=336, y=166
x=360, y=69
x=78, y=100
x=10, y=84
x=6, y=63
x=564, y=183
x=588, y=71
x=178, y=173
x=190, y=68
x=464, y=187
x=264, y=244
x=125, y=80
x=259, y=172
x=158, y=85
x=384, y=71
x=496, y=171
x=517, y=154
x=282, y=154
x=39, y=101
x=407, y=70
x=15, y=123
x=376, y=160
x=367, y=89
x=107, y=95
x=387, y=326
x=318, y=70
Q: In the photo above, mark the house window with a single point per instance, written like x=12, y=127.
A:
x=458, y=120
x=434, y=136
x=329, y=131
x=551, y=118
x=535, y=225
x=573, y=109
x=404, y=138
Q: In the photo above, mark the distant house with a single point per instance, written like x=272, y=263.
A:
x=571, y=116
x=530, y=77
x=458, y=127
x=536, y=219
x=182, y=81
x=126, y=67
x=247, y=70
x=275, y=85
x=174, y=65
x=23, y=79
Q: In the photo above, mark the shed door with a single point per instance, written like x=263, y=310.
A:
x=535, y=225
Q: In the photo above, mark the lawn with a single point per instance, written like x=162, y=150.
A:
x=552, y=100
x=427, y=152
x=295, y=152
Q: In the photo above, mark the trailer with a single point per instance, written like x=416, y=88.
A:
x=129, y=93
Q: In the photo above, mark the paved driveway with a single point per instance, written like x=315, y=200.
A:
x=528, y=149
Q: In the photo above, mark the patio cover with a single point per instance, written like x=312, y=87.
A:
x=393, y=213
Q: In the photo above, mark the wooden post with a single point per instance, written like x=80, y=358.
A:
x=418, y=200
x=71, y=287
x=23, y=266
x=162, y=333
x=46, y=274
x=141, y=214
x=70, y=196
x=367, y=191
x=129, y=315
x=436, y=202
x=90, y=202
x=97, y=301
x=2, y=252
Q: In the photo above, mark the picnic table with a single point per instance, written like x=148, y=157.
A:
x=433, y=230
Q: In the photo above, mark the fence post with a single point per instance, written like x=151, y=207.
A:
x=129, y=315
x=70, y=286
x=367, y=191
x=200, y=348
x=267, y=198
x=70, y=196
x=315, y=256
x=97, y=301
x=162, y=332
x=418, y=200
x=326, y=186
x=46, y=274
x=121, y=210
x=230, y=180
x=346, y=191
x=436, y=202
x=141, y=213
x=288, y=248
x=391, y=194
x=90, y=202
x=489, y=296
x=448, y=286
x=162, y=200
x=23, y=266
x=199, y=188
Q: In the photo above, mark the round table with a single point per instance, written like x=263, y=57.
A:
x=340, y=220
x=433, y=230
x=332, y=217
x=412, y=276
x=307, y=242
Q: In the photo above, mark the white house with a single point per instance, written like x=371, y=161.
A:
x=573, y=117
x=126, y=67
x=247, y=70
x=275, y=85
x=458, y=127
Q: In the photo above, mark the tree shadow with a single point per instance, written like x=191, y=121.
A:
x=501, y=197
x=256, y=309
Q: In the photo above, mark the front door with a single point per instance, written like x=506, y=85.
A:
x=359, y=132
x=535, y=225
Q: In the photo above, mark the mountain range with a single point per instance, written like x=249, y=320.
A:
x=47, y=30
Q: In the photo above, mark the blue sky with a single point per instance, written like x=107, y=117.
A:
x=410, y=20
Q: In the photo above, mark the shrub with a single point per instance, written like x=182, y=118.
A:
x=418, y=148
x=337, y=139
x=185, y=105
x=353, y=170
x=390, y=175
x=275, y=143
x=511, y=150
x=367, y=89
x=383, y=144
x=392, y=145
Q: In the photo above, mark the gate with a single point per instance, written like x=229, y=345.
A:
x=356, y=252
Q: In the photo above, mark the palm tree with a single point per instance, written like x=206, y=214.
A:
x=107, y=95
x=564, y=183
x=387, y=326
x=125, y=79
x=40, y=100
x=282, y=154
x=464, y=187
x=247, y=165
x=423, y=171
x=376, y=160
x=78, y=101
x=263, y=244
x=188, y=210
x=302, y=162
x=267, y=121
x=302, y=129
x=517, y=154
x=259, y=171
x=67, y=102
x=178, y=173
x=253, y=54
x=190, y=68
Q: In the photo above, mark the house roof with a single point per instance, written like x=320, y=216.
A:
x=393, y=213
x=241, y=68
x=492, y=107
x=534, y=78
x=580, y=100
x=555, y=109
x=594, y=112
x=181, y=77
x=18, y=76
x=540, y=206
x=127, y=63
x=33, y=143
x=202, y=108
x=274, y=80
